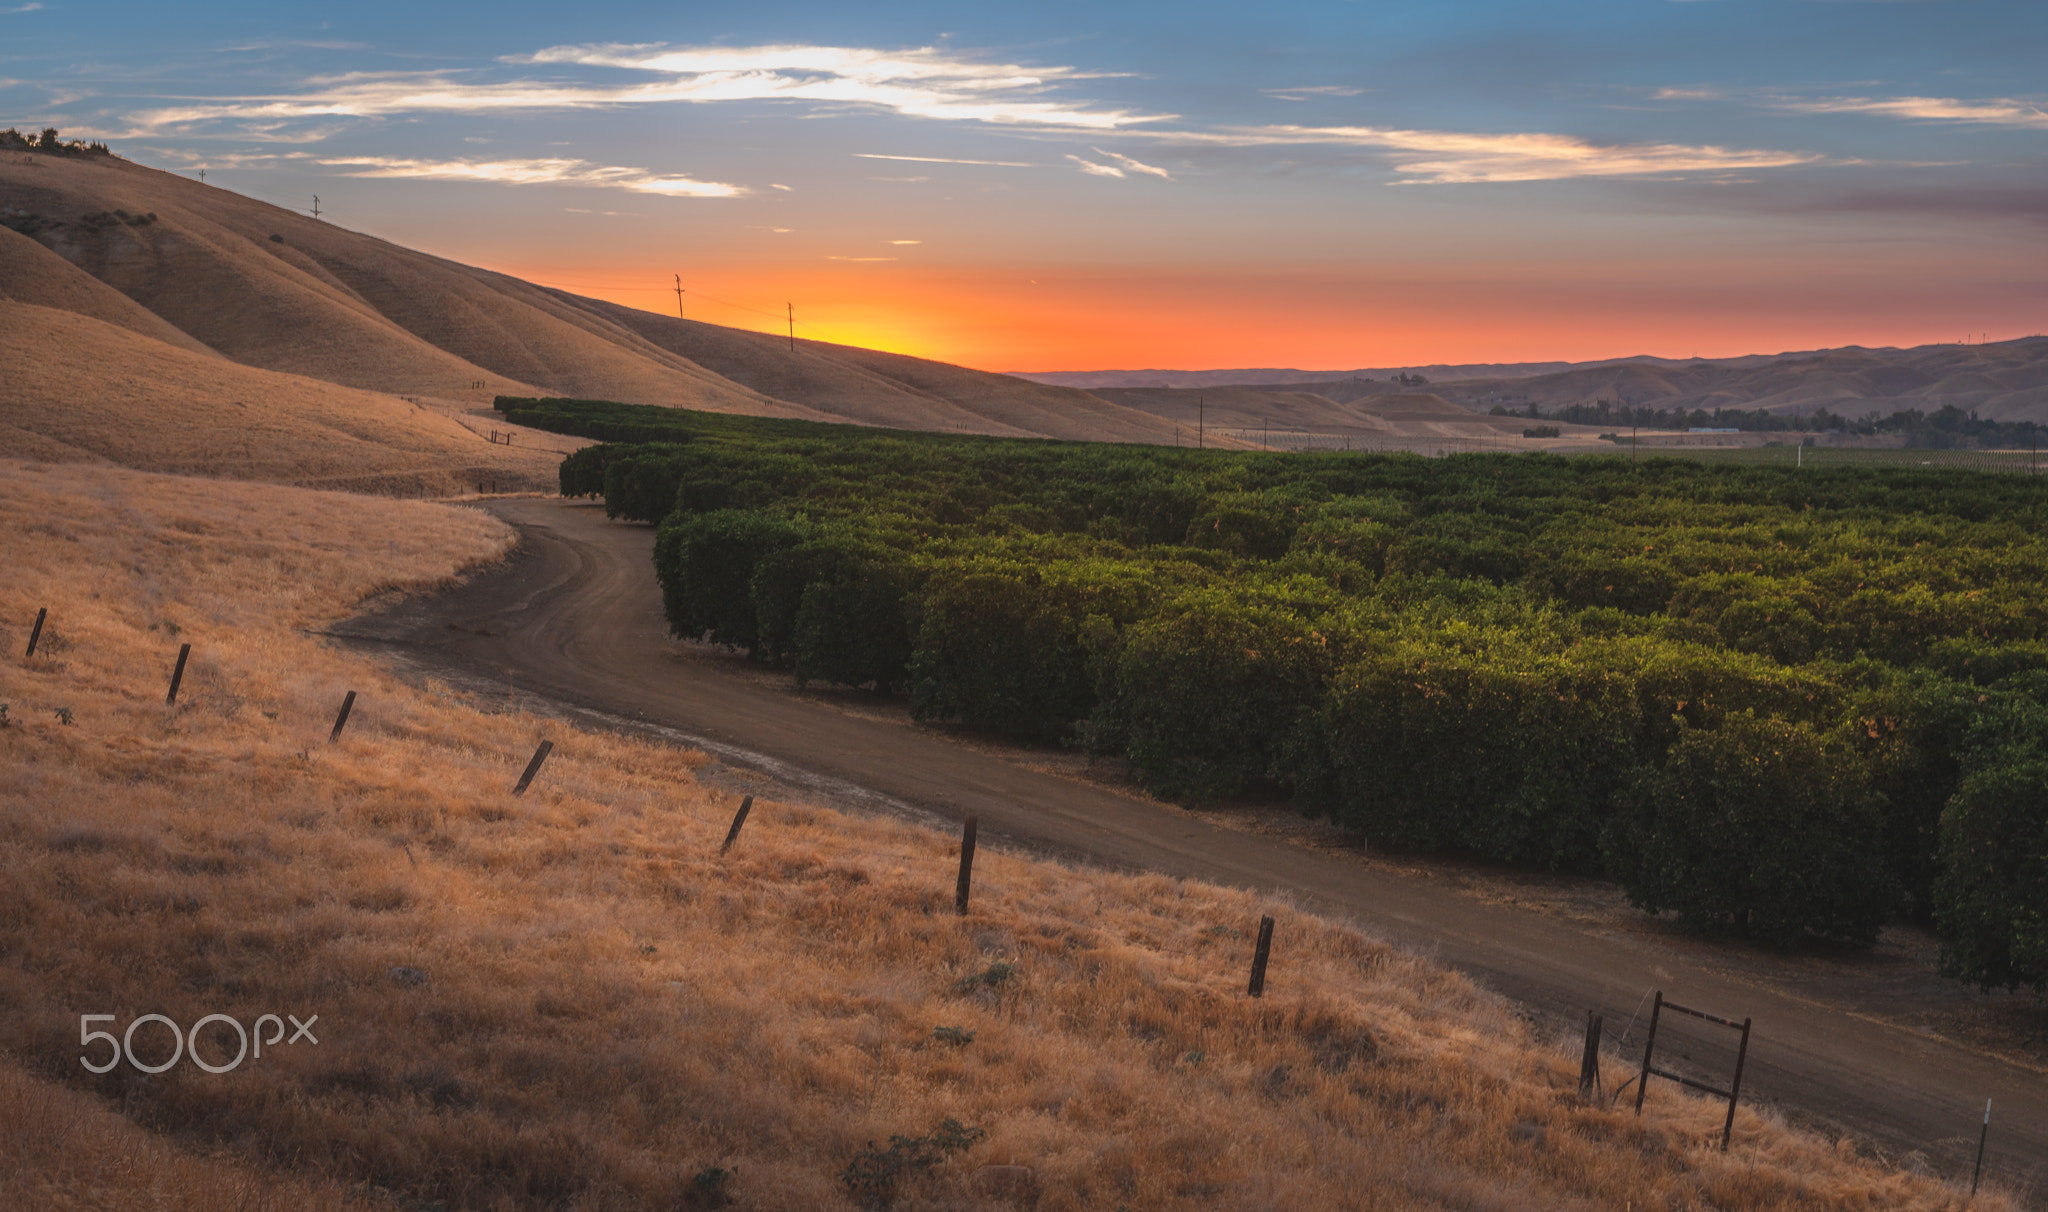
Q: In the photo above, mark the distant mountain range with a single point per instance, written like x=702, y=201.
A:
x=1267, y=376
x=2006, y=380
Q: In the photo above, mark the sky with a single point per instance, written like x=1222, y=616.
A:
x=1185, y=185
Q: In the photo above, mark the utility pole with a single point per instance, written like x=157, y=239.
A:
x=202, y=176
x=679, y=296
x=792, y=326
x=316, y=206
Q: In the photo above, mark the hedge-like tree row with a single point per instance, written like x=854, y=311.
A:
x=1784, y=702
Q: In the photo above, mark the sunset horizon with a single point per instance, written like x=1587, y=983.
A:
x=1322, y=187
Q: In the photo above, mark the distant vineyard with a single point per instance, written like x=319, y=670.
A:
x=1783, y=701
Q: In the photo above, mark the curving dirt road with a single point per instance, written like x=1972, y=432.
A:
x=575, y=617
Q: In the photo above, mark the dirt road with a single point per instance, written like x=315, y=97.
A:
x=576, y=617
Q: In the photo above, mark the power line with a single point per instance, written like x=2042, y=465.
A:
x=559, y=283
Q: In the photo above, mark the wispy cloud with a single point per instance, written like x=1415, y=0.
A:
x=24, y=8
x=830, y=257
x=1454, y=157
x=935, y=84
x=1095, y=170
x=534, y=172
x=1134, y=166
x=945, y=160
x=923, y=83
x=1993, y=112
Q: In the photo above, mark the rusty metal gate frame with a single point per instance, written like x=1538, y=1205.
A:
x=1732, y=1094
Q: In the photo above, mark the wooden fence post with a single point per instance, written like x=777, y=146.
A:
x=178, y=674
x=1649, y=1046
x=533, y=767
x=966, y=865
x=738, y=818
x=1735, y=1089
x=1259, y=956
x=342, y=719
x=1589, y=1065
x=36, y=632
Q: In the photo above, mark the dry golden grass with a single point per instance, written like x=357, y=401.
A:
x=612, y=1009
x=63, y=1150
x=76, y=388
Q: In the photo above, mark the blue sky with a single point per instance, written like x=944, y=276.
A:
x=1067, y=186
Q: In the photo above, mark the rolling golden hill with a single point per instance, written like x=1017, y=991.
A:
x=165, y=269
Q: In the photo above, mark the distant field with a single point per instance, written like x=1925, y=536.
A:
x=2008, y=462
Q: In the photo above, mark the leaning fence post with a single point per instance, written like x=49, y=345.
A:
x=533, y=767
x=347, y=702
x=1649, y=1046
x=178, y=674
x=36, y=632
x=966, y=865
x=738, y=818
x=1259, y=955
x=1589, y=1065
x=1735, y=1088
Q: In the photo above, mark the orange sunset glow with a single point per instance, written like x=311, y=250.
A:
x=1004, y=318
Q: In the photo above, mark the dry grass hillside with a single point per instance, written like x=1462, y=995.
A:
x=30, y=273
x=571, y=1000
x=891, y=389
x=2006, y=381
x=277, y=290
x=74, y=388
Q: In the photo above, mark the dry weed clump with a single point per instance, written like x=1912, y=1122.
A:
x=572, y=1000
